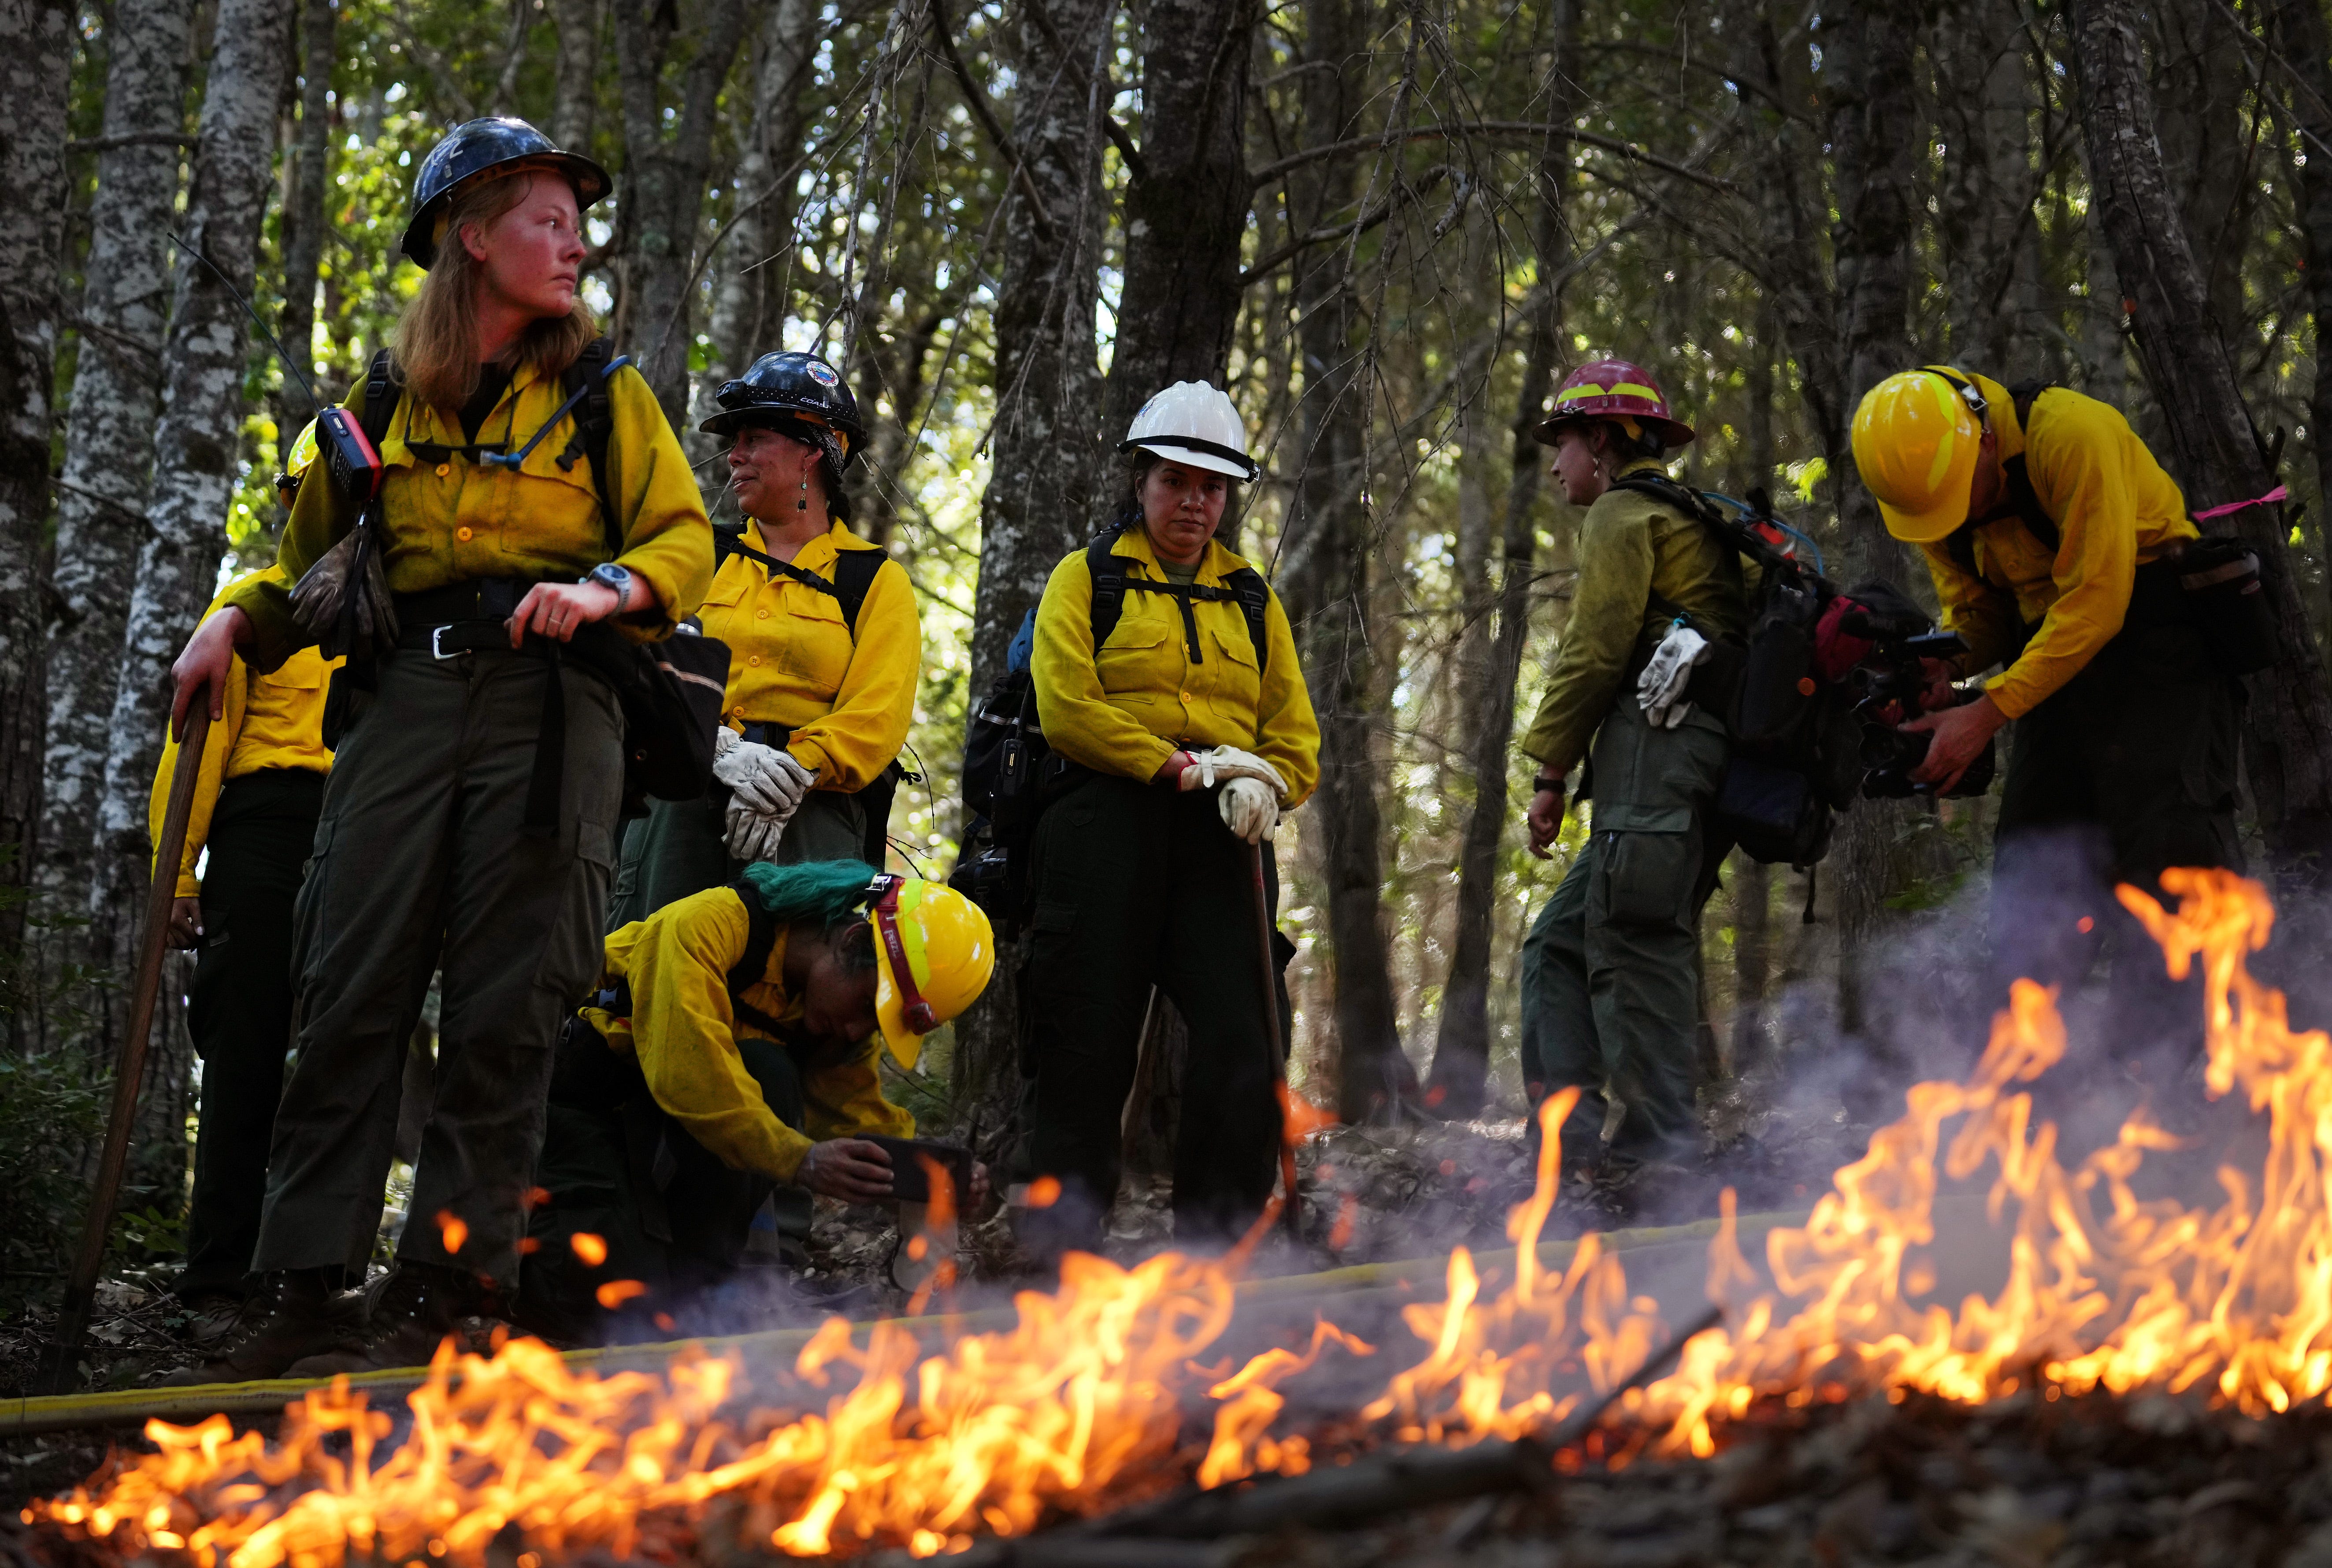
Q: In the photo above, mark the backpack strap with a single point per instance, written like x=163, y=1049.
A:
x=2024, y=501
x=594, y=424
x=760, y=940
x=1111, y=582
x=380, y=398
x=853, y=571
x=1108, y=570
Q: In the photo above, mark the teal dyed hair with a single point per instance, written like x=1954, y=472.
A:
x=819, y=893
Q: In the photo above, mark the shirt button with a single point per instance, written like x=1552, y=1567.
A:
x=1187, y=698
x=765, y=615
x=462, y=534
x=444, y=469
x=754, y=660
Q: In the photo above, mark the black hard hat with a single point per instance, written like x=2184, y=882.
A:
x=473, y=147
x=785, y=390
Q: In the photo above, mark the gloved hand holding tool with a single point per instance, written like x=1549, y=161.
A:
x=1209, y=768
x=1250, y=808
x=1659, y=690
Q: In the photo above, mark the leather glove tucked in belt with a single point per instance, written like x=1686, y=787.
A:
x=1209, y=768
x=762, y=778
x=1250, y=808
x=1659, y=690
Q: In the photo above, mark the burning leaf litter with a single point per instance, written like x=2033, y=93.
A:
x=1092, y=1399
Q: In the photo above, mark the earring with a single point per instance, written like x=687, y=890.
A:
x=803, y=504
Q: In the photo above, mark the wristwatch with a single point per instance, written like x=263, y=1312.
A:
x=608, y=574
x=1541, y=784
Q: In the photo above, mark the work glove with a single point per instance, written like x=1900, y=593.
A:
x=1659, y=690
x=753, y=834
x=1209, y=768
x=1250, y=808
x=764, y=779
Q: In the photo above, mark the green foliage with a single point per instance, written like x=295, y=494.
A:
x=52, y=1111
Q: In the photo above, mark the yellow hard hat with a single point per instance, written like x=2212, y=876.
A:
x=297, y=459
x=1915, y=443
x=933, y=952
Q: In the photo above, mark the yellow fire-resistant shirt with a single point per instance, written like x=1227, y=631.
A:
x=793, y=660
x=457, y=519
x=1144, y=698
x=274, y=719
x=1631, y=548
x=683, y=1034
x=2115, y=509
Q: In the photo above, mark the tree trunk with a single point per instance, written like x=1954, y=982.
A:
x=1462, y=1055
x=2301, y=33
x=117, y=395
x=666, y=175
x=35, y=67
x=1869, y=50
x=303, y=216
x=1040, y=503
x=1186, y=205
x=2215, y=451
x=1985, y=223
x=1333, y=531
x=575, y=74
x=748, y=301
x=196, y=450
x=2201, y=77
x=1752, y=884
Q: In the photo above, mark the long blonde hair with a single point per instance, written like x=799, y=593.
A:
x=437, y=337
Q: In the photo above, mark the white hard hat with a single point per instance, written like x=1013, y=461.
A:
x=1193, y=423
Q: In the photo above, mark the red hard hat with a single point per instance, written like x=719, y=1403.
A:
x=1613, y=389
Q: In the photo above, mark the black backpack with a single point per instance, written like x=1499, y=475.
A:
x=1796, y=755
x=854, y=578
x=1007, y=764
x=671, y=692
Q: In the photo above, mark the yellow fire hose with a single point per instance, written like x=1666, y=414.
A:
x=135, y=1406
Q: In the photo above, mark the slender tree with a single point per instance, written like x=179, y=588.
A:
x=2304, y=42
x=117, y=395
x=2216, y=452
x=666, y=172
x=575, y=72
x=1462, y=1055
x=36, y=66
x=309, y=158
x=196, y=447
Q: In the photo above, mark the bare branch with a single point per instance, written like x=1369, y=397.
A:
x=1490, y=128
x=984, y=112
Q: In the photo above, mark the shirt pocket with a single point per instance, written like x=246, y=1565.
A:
x=813, y=640
x=1133, y=664
x=1235, y=692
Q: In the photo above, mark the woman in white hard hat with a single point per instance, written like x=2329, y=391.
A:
x=1180, y=730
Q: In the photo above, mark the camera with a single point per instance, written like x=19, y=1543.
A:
x=1888, y=687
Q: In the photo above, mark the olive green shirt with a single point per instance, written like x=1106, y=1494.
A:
x=1634, y=553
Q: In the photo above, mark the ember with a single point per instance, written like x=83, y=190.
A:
x=1084, y=1403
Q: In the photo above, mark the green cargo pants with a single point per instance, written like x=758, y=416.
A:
x=2127, y=769
x=423, y=860
x=673, y=1216
x=680, y=847
x=1610, y=976
x=1137, y=884
x=239, y=1010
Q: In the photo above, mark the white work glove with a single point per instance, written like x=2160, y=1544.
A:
x=1659, y=690
x=1209, y=768
x=753, y=834
x=1250, y=808
x=764, y=779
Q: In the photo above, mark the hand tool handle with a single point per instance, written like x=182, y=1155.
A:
x=1269, y=974
x=61, y=1369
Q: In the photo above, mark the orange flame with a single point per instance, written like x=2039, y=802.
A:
x=1078, y=1406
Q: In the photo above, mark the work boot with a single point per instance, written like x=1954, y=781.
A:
x=418, y=1306
x=292, y=1315
x=211, y=1314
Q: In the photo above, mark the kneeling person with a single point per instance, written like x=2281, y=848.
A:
x=733, y=1046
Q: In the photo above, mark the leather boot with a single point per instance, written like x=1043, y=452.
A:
x=292, y=1315
x=418, y=1306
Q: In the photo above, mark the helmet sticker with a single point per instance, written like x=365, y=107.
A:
x=823, y=373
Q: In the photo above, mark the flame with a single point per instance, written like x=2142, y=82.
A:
x=1081, y=1405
